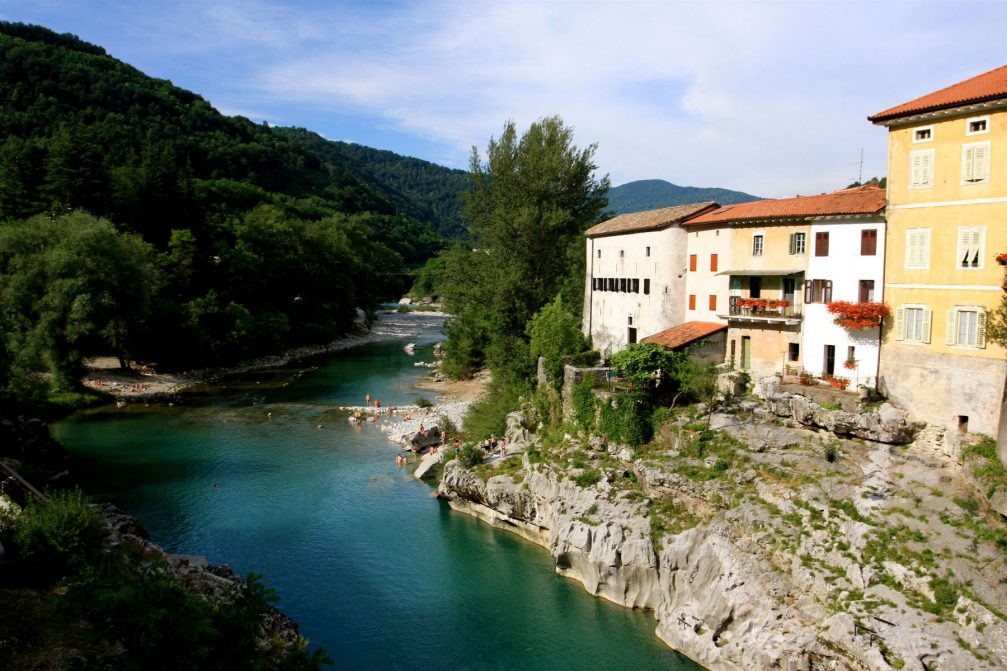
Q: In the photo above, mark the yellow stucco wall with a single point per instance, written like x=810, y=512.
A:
x=775, y=250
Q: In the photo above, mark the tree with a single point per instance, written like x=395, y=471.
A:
x=643, y=363
x=996, y=323
x=555, y=335
x=529, y=205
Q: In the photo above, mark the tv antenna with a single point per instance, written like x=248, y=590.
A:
x=860, y=173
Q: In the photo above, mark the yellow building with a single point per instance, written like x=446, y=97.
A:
x=947, y=221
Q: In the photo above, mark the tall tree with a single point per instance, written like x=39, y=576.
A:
x=529, y=205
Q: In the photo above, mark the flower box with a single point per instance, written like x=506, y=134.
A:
x=858, y=315
x=1002, y=259
x=850, y=364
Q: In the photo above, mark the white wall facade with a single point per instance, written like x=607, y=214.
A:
x=704, y=242
x=845, y=266
x=609, y=315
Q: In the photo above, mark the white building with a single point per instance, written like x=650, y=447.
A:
x=846, y=262
x=636, y=275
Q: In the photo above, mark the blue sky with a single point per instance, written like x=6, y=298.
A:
x=764, y=97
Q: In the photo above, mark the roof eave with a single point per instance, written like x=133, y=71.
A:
x=927, y=114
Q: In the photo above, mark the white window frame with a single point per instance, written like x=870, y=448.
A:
x=967, y=163
x=929, y=173
x=916, y=140
x=971, y=120
x=925, y=265
x=978, y=254
x=926, y=324
x=953, y=326
x=758, y=244
x=799, y=243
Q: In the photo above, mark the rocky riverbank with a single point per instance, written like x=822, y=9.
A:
x=765, y=544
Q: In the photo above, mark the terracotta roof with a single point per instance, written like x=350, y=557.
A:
x=987, y=86
x=867, y=199
x=648, y=221
x=683, y=334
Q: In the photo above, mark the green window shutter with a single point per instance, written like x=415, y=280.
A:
x=981, y=330
x=793, y=243
x=900, y=324
x=950, y=337
x=927, y=319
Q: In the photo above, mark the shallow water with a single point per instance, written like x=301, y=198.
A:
x=364, y=558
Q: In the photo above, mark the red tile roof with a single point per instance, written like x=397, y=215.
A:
x=683, y=334
x=867, y=199
x=987, y=86
x=650, y=220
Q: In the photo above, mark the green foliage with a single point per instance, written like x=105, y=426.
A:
x=62, y=536
x=996, y=323
x=429, y=279
x=584, y=406
x=652, y=194
x=832, y=452
x=626, y=418
x=555, y=335
x=639, y=362
x=424, y=402
x=528, y=206
x=470, y=456
x=588, y=478
x=488, y=415
x=945, y=594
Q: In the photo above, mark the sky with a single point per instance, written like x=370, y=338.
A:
x=770, y=98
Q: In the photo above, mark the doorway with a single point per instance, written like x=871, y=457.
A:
x=830, y=360
x=746, y=352
x=632, y=336
x=755, y=287
x=788, y=289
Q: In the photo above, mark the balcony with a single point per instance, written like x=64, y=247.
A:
x=765, y=310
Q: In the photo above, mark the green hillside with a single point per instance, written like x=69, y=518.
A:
x=651, y=194
x=420, y=189
x=139, y=221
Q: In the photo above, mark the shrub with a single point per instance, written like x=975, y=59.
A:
x=588, y=478
x=61, y=536
x=470, y=456
x=584, y=404
x=424, y=402
x=488, y=415
x=831, y=453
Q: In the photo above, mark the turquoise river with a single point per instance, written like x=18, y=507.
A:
x=265, y=474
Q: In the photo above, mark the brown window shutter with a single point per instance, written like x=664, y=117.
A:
x=713, y=263
x=869, y=242
x=808, y=294
x=821, y=244
x=692, y=263
x=692, y=301
x=713, y=302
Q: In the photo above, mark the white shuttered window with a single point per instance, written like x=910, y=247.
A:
x=921, y=169
x=966, y=327
x=976, y=163
x=912, y=323
x=918, y=248
x=970, y=246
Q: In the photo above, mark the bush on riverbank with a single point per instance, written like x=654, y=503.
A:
x=118, y=607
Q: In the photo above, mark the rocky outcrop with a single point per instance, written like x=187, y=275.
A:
x=213, y=581
x=780, y=579
x=887, y=424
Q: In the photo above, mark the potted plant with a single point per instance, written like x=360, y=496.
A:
x=850, y=364
x=1002, y=258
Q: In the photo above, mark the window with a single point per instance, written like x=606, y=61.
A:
x=866, y=294
x=921, y=169
x=636, y=285
x=797, y=243
x=622, y=253
x=599, y=253
x=970, y=247
x=918, y=248
x=821, y=244
x=622, y=284
x=692, y=263
x=817, y=291
x=794, y=351
x=713, y=302
x=630, y=320
x=912, y=323
x=692, y=301
x=869, y=242
x=966, y=327
x=648, y=250
x=851, y=353
x=976, y=163
x=755, y=287
x=757, y=245
x=594, y=283
x=713, y=263
x=925, y=134
x=646, y=286
x=977, y=125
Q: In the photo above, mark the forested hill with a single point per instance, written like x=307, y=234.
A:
x=137, y=220
x=418, y=188
x=651, y=194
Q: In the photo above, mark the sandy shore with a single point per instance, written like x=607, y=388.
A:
x=145, y=383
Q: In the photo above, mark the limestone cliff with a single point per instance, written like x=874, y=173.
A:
x=772, y=558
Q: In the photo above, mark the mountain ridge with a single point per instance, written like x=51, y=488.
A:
x=653, y=194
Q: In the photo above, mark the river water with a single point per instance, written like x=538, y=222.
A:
x=265, y=474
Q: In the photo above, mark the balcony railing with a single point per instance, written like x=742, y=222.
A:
x=765, y=310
